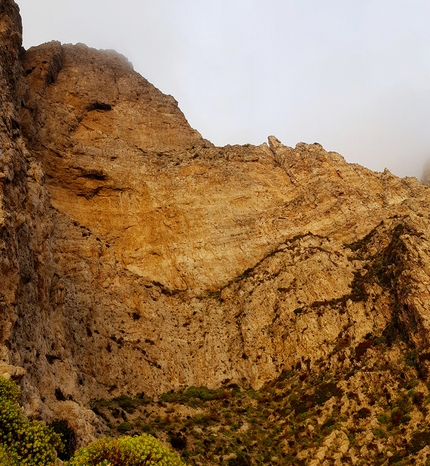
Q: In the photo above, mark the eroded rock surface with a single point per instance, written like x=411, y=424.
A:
x=137, y=257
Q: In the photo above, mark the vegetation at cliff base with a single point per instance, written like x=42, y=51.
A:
x=126, y=451
x=23, y=442
x=365, y=404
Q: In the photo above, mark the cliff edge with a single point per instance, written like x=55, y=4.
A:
x=138, y=257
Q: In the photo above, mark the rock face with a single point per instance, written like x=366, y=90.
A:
x=137, y=257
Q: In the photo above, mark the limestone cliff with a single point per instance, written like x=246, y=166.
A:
x=137, y=257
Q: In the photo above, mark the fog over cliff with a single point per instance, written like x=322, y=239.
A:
x=263, y=304
x=353, y=76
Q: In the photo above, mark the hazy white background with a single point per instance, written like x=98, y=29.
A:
x=353, y=75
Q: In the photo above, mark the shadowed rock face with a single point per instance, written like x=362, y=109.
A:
x=137, y=257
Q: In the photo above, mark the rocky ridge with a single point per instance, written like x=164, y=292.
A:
x=138, y=257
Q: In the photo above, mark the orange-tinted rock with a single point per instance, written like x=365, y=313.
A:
x=137, y=257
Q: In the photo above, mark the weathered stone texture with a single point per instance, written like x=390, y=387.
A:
x=136, y=256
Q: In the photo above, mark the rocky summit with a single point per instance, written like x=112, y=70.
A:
x=247, y=304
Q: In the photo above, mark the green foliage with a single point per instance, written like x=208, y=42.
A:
x=23, y=442
x=242, y=427
x=378, y=432
x=125, y=427
x=130, y=404
x=126, y=451
x=9, y=390
x=7, y=458
x=196, y=393
x=411, y=359
x=124, y=402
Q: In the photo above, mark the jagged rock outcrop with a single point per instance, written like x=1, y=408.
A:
x=137, y=257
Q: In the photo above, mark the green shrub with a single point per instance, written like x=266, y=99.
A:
x=9, y=390
x=125, y=427
x=126, y=451
x=378, y=432
x=23, y=442
x=193, y=394
x=130, y=404
x=7, y=458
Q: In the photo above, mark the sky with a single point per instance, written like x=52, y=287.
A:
x=353, y=75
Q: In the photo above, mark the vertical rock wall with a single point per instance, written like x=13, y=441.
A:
x=137, y=257
x=23, y=199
